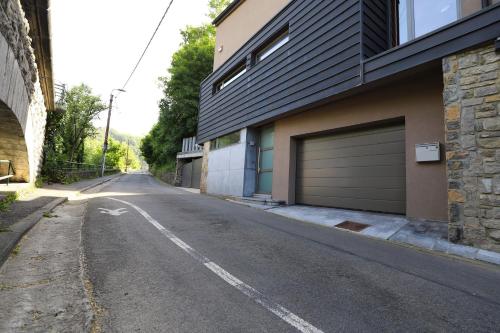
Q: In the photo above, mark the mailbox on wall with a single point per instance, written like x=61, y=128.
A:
x=427, y=152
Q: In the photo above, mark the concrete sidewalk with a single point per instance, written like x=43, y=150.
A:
x=41, y=283
x=423, y=234
x=31, y=207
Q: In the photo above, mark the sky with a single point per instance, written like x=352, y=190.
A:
x=98, y=42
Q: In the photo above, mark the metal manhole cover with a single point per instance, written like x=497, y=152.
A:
x=353, y=226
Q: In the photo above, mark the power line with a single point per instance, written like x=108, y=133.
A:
x=147, y=46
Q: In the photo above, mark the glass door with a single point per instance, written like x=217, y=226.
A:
x=265, y=160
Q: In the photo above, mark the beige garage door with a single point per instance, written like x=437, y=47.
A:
x=362, y=169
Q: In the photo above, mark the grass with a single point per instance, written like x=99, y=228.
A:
x=16, y=250
x=49, y=215
x=7, y=201
x=40, y=181
x=5, y=229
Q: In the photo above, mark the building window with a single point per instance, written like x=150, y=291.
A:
x=418, y=17
x=273, y=45
x=229, y=78
x=224, y=141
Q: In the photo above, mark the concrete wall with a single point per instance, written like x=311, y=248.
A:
x=472, y=100
x=21, y=97
x=226, y=168
x=417, y=100
x=236, y=29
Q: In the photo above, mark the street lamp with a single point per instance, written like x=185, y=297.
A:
x=105, y=145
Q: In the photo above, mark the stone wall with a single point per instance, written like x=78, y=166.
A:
x=15, y=28
x=178, y=171
x=167, y=177
x=472, y=105
x=20, y=94
x=204, y=167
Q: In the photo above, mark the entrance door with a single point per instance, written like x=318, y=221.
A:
x=265, y=160
x=187, y=173
x=191, y=174
x=195, y=179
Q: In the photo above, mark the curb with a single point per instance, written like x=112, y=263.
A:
x=9, y=240
x=422, y=243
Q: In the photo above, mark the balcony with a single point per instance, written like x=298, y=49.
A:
x=190, y=149
x=333, y=48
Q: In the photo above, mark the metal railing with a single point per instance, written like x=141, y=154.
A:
x=189, y=145
x=68, y=169
x=10, y=168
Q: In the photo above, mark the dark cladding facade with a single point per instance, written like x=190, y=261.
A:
x=335, y=47
x=337, y=103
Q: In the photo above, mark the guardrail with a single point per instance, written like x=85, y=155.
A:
x=10, y=168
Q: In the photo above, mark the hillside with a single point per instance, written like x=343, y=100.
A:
x=134, y=142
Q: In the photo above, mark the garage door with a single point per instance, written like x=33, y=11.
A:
x=191, y=174
x=362, y=169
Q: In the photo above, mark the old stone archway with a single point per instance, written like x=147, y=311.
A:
x=12, y=145
x=26, y=89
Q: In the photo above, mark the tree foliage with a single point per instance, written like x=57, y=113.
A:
x=66, y=131
x=116, y=156
x=215, y=7
x=70, y=136
x=179, y=106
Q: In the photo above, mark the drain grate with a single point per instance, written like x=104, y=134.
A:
x=353, y=226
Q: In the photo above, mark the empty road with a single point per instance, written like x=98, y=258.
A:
x=165, y=260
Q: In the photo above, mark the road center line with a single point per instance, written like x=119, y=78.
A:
x=280, y=311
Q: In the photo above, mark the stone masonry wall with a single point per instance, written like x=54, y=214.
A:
x=472, y=106
x=204, y=167
x=20, y=91
x=15, y=28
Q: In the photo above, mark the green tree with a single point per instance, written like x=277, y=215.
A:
x=215, y=7
x=179, y=106
x=116, y=157
x=81, y=109
x=66, y=131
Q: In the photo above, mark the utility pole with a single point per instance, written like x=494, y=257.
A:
x=106, y=133
x=126, y=159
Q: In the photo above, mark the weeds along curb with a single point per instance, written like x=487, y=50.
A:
x=9, y=239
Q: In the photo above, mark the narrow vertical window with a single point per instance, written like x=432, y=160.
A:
x=403, y=22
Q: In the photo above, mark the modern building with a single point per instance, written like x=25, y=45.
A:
x=26, y=86
x=378, y=105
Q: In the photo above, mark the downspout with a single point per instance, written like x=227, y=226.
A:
x=361, y=44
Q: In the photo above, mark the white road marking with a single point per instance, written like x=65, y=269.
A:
x=280, y=311
x=115, y=212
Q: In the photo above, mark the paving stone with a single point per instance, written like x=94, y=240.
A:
x=463, y=251
x=488, y=256
x=424, y=242
x=441, y=245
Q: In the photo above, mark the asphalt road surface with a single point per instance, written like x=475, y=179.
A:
x=165, y=260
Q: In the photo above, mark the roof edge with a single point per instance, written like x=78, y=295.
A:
x=226, y=12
